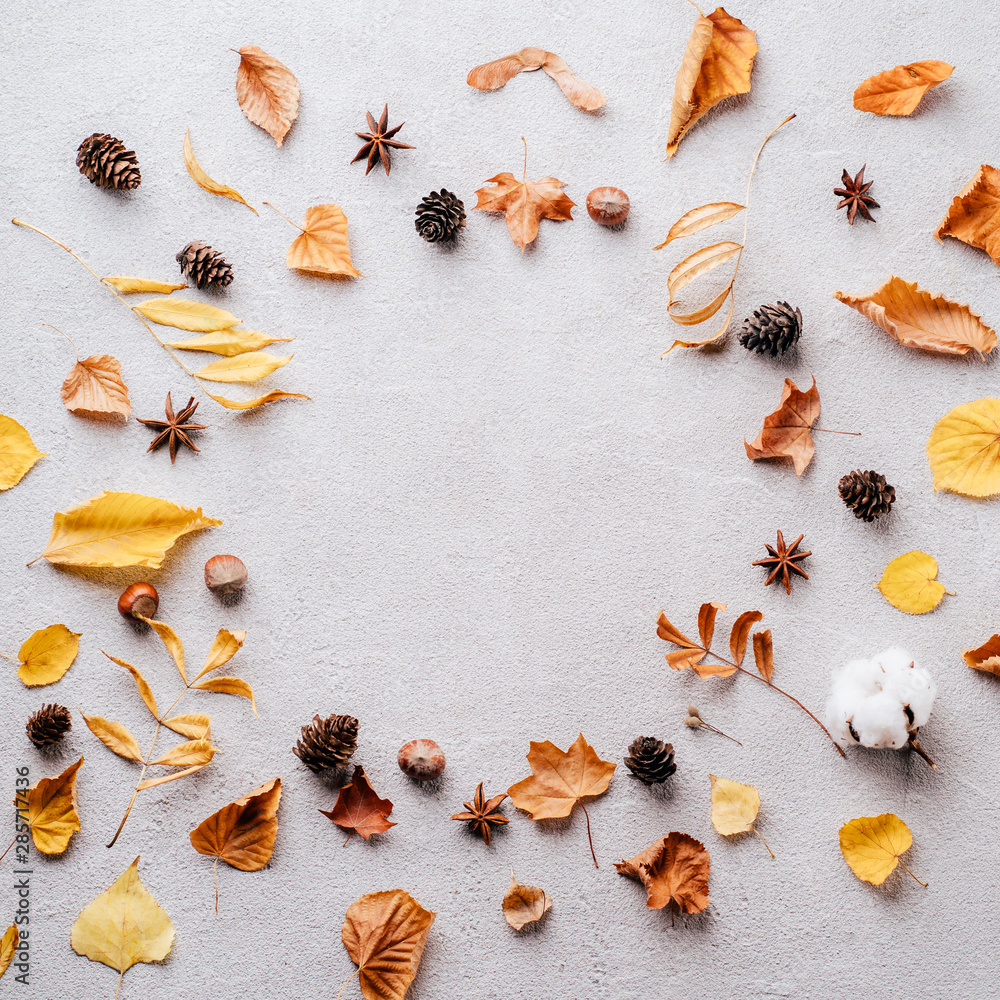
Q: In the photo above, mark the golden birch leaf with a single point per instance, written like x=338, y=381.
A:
x=94, y=388
x=172, y=641
x=52, y=816
x=524, y=904
x=908, y=583
x=193, y=753
x=734, y=808
x=923, y=320
x=193, y=725
x=228, y=685
x=872, y=846
x=17, y=452
x=898, y=91
x=47, y=654
x=125, y=285
x=242, y=368
x=114, y=736
x=8, y=946
x=717, y=64
x=186, y=314
x=145, y=691
x=267, y=91
x=242, y=833
x=974, y=214
x=322, y=247
x=250, y=404
x=230, y=342
x=964, y=449
x=123, y=925
x=226, y=645
x=702, y=217
x=204, y=181
x=120, y=529
x=152, y=782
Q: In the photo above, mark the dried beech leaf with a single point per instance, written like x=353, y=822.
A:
x=145, y=692
x=126, y=285
x=741, y=633
x=204, y=181
x=690, y=655
x=494, y=75
x=964, y=449
x=908, y=583
x=985, y=657
x=242, y=834
x=229, y=685
x=114, y=736
x=52, y=816
x=193, y=753
x=922, y=319
x=974, y=214
x=702, y=217
x=267, y=91
x=8, y=946
x=763, y=654
x=674, y=868
x=186, y=314
x=250, y=404
x=785, y=433
x=898, y=91
x=17, y=452
x=525, y=203
x=225, y=646
x=230, y=342
x=359, y=809
x=872, y=845
x=322, y=247
x=524, y=904
x=172, y=642
x=242, y=368
x=94, y=388
x=193, y=725
x=47, y=654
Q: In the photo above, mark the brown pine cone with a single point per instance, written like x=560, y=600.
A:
x=327, y=743
x=105, y=161
x=867, y=494
x=49, y=725
x=440, y=215
x=651, y=760
x=206, y=267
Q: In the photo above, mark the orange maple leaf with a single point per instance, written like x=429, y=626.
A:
x=785, y=433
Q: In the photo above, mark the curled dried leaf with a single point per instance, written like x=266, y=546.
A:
x=675, y=867
x=702, y=217
x=52, y=815
x=974, y=214
x=985, y=657
x=763, y=654
x=786, y=431
x=205, y=182
x=740, y=634
x=94, y=388
x=899, y=90
x=250, y=404
x=524, y=904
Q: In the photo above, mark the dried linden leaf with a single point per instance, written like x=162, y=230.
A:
x=204, y=181
x=17, y=452
x=974, y=214
x=524, y=904
x=908, y=583
x=674, y=868
x=985, y=657
x=964, y=449
x=493, y=75
x=8, y=946
x=267, y=91
x=230, y=342
x=786, y=431
x=322, y=247
x=242, y=368
x=186, y=314
x=129, y=286
x=898, y=91
x=525, y=203
x=47, y=654
x=872, y=846
x=52, y=816
x=94, y=388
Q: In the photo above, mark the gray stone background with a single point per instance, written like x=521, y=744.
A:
x=468, y=533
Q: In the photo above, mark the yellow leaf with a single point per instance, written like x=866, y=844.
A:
x=193, y=753
x=229, y=343
x=322, y=248
x=267, y=91
x=226, y=645
x=17, y=452
x=964, y=449
x=872, y=846
x=123, y=925
x=908, y=583
x=120, y=529
x=700, y=262
x=129, y=286
x=8, y=946
x=734, y=808
x=974, y=214
x=145, y=692
x=702, y=217
x=898, y=91
x=985, y=657
x=204, y=181
x=172, y=641
x=152, y=782
x=243, y=367
x=193, y=725
x=94, y=388
x=114, y=736
x=47, y=654
x=250, y=404
x=186, y=314
x=228, y=685
x=52, y=815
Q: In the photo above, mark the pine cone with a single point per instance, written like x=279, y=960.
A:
x=206, y=267
x=772, y=329
x=105, y=161
x=651, y=760
x=867, y=494
x=440, y=215
x=327, y=743
x=49, y=725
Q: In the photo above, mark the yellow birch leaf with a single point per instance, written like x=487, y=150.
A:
x=702, y=217
x=145, y=692
x=193, y=753
x=129, y=286
x=152, y=782
x=908, y=583
x=250, y=404
x=186, y=314
x=964, y=449
x=985, y=657
x=228, y=685
x=17, y=452
x=193, y=725
x=172, y=641
x=898, y=91
x=47, y=654
x=94, y=389
x=120, y=529
x=322, y=247
x=872, y=846
x=114, y=736
x=226, y=645
x=734, y=808
x=242, y=368
x=204, y=181
x=230, y=342
x=52, y=815
x=8, y=946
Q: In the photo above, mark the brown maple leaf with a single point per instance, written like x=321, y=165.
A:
x=673, y=868
x=359, y=809
x=785, y=433
x=974, y=214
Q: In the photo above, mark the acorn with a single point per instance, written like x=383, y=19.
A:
x=422, y=760
x=608, y=206
x=140, y=600
x=225, y=575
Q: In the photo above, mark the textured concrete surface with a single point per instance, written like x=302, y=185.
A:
x=468, y=533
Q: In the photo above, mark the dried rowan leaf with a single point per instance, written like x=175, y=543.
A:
x=706, y=621
x=898, y=91
x=225, y=646
x=145, y=691
x=322, y=247
x=172, y=642
x=114, y=736
x=267, y=91
x=702, y=217
x=229, y=685
x=985, y=657
x=964, y=449
x=250, y=404
x=384, y=934
x=690, y=654
x=741, y=633
x=674, y=868
x=694, y=266
x=17, y=452
x=8, y=946
x=193, y=753
x=126, y=285
x=193, y=725
x=186, y=314
x=872, y=846
x=47, y=654
x=94, y=388
x=242, y=368
x=908, y=583
x=717, y=64
x=763, y=654
x=151, y=782
x=493, y=75
x=974, y=214
x=242, y=834
x=524, y=904
x=52, y=816
x=204, y=181
x=560, y=779
x=120, y=529
x=230, y=342
x=359, y=809
x=785, y=433
x=923, y=320
x=525, y=203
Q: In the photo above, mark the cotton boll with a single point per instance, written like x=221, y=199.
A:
x=880, y=722
x=862, y=675
x=840, y=707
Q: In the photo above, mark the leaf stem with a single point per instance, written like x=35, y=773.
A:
x=524, y=179
x=712, y=729
x=823, y=430
x=215, y=879
x=589, y=837
x=349, y=978
x=762, y=840
x=285, y=217
x=903, y=863
x=71, y=344
x=12, y=843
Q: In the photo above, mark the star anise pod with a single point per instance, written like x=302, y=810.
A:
x=174, y=429
x=854, y=194
x=482, y=815
x=782, y=562
x=379, y=141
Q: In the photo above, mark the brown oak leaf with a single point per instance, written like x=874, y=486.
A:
x=94, y=388
x=358, y=809
x=267, y=91
x=785, y=433
x=974, y=214
x=493, y=75
x=673, y=868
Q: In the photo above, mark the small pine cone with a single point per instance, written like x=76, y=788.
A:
x=440, y=215
x=105, y=161
x=49, y=725
x=206, y=267
x=867, y=494
x=651, y=760
x=772, y=329
x=327, y=743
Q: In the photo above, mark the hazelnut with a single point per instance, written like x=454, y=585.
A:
x=225, y=575
x=139, y=601
x=608, y=206
x=422, y=760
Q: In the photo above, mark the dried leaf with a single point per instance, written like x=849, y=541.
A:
x=94, y=388
x=242, y=833
x=359, y=809
x=230, y=342
x=172, y=642
x=923, y=320
x=8, y=946
x=186, y=314
x=872, y=846
x=225, y=646
x=525, y=203
x=120, y=529
x=763, y=654
x=52, y=815
x=151, y=782
x=204, y=181
x=385, y=933
x=974, y=214
x=702, y=217
x=493, y=75
x=964, y=449
x=193, y=725
x=126, y=285
x=908, y=583
x=741, y=633
x=193, y=753
x=114, y=736
x=985, y=657
x=250, y=404
x=694, y=266
x=47, y=654
x=322, y=247
x=242, y=368
x=524, y=904
x=228, y=685
x=706, y=621
x=17, y=452
x=898, y=91
x=690, y=654
x=145, y=692
x=734, y=806
x=674, y=868
x=717, y=64
x=267, y=91
x=785, y=433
